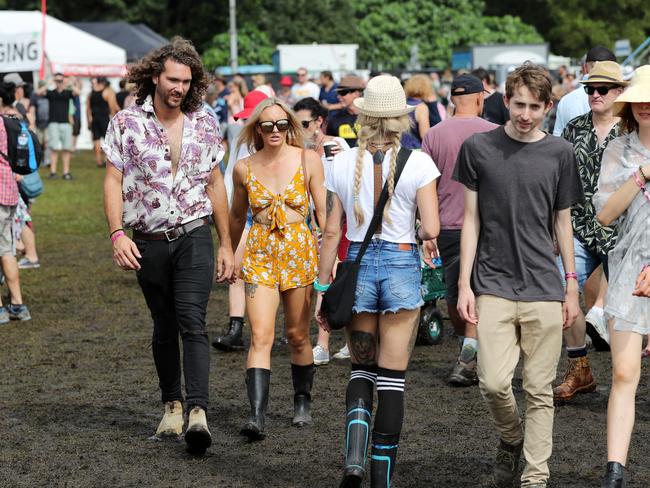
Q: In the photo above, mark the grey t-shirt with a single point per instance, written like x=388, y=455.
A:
x=520, y=186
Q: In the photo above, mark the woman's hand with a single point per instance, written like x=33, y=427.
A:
x=336, y=148
x=430, y=252
x=642, y=285
x=322, y=320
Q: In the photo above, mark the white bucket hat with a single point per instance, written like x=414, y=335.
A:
x=637, y=92
x=383, y=97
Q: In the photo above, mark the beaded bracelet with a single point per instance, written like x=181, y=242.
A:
x=319, y=287
x=571, y=276
x=641, y=186
x=116, y=235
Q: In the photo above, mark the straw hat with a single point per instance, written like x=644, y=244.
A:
x=637, y=92
x=606, y=72
x=384, y=98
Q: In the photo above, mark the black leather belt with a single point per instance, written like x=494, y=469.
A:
x=171, y=234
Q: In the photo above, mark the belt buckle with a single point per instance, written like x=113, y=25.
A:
x=172, y=234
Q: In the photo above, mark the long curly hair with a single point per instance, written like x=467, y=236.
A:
x=182, y=51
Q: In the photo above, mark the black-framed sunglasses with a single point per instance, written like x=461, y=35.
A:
x=307, y=123
x=602, y=90
x=267, y=126
x=345, y=91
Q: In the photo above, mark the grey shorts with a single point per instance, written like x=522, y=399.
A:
x=59, y=136
x=6, y=233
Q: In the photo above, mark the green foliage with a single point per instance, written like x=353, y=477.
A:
x=387, y=31
x=254, y=47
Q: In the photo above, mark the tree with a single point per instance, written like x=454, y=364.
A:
x=254, y=47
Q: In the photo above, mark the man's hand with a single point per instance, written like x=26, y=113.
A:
x=467, y=305
x=642, y=285
x=126, y=254
x=225, y=265
x=571, y=306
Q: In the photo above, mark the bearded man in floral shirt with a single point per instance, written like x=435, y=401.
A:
x=163, y=182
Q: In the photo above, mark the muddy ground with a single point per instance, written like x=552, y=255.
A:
x=79, y=397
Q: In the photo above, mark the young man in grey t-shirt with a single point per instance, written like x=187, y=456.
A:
x=520, y=186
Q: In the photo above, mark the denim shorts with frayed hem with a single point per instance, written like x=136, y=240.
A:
x=389, y=277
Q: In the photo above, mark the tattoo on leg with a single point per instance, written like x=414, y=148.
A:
x=250, y=289
x=329, y=202
x=363, y=347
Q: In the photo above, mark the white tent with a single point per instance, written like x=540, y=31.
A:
x=67, y=49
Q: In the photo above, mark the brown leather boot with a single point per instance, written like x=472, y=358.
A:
x=577, y=379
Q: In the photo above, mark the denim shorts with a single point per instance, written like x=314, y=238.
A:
x=586, y=263
x=389, y=277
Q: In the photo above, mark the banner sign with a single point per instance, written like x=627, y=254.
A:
x=107, y=70
x=20, y=52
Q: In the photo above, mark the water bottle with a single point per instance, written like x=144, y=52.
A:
x=22, y=148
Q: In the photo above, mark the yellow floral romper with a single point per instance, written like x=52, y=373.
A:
x=279, y=255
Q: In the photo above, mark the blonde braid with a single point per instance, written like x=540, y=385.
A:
x=391, y=175
x=358, y=170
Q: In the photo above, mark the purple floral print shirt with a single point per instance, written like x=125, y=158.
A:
x=136, y=144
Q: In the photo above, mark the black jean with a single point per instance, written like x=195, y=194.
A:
x=176, y=279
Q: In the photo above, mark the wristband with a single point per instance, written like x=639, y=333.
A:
x=319, y=287
x=116, y=230
x=571, y=276
x=116, y=235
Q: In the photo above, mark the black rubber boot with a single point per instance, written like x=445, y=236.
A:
x=614, y=477
x=303, y=379
x=384, y=454
x=357, y=434
x=257, y=384
x=232, y=341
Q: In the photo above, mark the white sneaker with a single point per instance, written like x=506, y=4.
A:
x=172, y=422
x=596, y=317
x=321, y=355
x=344, y=353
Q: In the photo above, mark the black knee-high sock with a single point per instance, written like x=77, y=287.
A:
x=390, y=401
x=361, y=386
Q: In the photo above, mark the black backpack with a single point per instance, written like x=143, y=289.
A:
x=24, y=151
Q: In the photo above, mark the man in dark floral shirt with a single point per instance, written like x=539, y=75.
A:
x=589, y=133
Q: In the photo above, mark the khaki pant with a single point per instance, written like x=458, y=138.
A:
x=507, y=329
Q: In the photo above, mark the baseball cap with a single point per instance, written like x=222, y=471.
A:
x=250, y=102
x=599, y=53
x=14, y=78
x=466, y=85
x=286, y=81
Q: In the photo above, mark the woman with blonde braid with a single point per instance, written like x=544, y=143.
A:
x=387, y=299
x=280, y=259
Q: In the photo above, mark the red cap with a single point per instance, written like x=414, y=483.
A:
x=250, y=102
x=286, y=81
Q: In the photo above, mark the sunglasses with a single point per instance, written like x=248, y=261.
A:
x=267, y=126
x=602, y=90
x=345, y=91
x=58, y=81
x=306, y=123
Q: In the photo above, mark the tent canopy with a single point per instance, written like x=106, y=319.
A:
x=67, y=48
x=136, y=39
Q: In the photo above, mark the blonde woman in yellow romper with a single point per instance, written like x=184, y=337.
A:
x=280, y=261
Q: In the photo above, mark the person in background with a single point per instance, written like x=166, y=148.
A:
x=418, y=89
x=494, y=109
x=312, y=116
x=304, y=87
x=261, y=83
x=22, y=103
x=9, y=199
x=121, y=95
x=284, y=95
x=443, y=143
x=328, y=96
x=39, y=107
x=576, y=102
x=59, y=129
x=101, y=106
x=221, y=104
x=75, y=114
x=344, y=123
